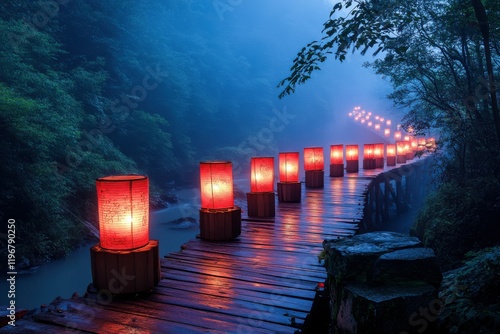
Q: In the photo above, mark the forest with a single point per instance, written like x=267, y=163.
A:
x=91, y=88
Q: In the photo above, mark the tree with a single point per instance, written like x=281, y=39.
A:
x=429, y=50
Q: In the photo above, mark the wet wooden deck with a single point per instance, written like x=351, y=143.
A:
x=262, y=282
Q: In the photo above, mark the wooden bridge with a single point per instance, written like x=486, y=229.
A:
x=265, y=281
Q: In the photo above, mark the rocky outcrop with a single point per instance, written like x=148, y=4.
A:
x=381, y=282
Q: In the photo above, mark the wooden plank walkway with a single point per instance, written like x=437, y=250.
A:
x=262, y=282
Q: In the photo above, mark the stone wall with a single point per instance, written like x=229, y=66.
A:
x=380, y=282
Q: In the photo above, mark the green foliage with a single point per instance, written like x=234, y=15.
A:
x=459, y=218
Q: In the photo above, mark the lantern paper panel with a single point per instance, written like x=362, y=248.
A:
x=391, y=150
x=313, y=158
x=216, y=185
x=351, y=152
x=123, y=210
x=401, y=147
x=289, y=166
x=378, y=150
x=368, y=151
x=336, y=154
x=262, y=174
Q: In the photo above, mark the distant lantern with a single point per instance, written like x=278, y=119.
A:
x=391, y=154
x=377, y=117
x=368, y=156
x=362, y=120
x=370, y=123
x=336, y=160
x=220, y=219
x=387, y=132
x=123, y=211
x=410, y=154
x=397, y=135
x=381, y=119
x=414, y=144
x=407, y=138
x=388, y=122
x=314, y=166
x=401, y=152
x=260, y=199
x=377, y=127
x=351, y=157
x=289, y=189
x=378, y=154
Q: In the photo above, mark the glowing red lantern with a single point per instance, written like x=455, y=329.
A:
x=289, y=166
x=368, y=157
x=387, y=132
x=397, y=135
x=391, y=154
x=289, y=188
x=123, y=209
x=378, y=155
x=401, y=152
x=260, y=199
x=220, y=219
x=351, y=157
x=313, y=158
x=377, y=127
x=314, y=165
x=407, y=137
x=262, y=174
x=124, y=248
x=216, y=184
x=336, y=160
x=388, y=122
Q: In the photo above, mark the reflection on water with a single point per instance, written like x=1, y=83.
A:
x=73, y=274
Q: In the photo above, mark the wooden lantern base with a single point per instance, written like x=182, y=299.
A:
x=379, y=162
x=315, y=179
x=289, y=192
x=220, y=225
x=401, y=158
x=369, y=163
x=128, y=271
x=391, y=161
x=410, y=155
x=352, y=166
x=261, y=204
x=337, y=170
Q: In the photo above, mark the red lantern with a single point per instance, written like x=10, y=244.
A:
x=401, y=151
x=336, y=154
x=351, y=152
x=313, y=158
x=391, y=150
x=123, y=208
x=387, y=132
x=378, y=154
x=289, y=166
x=219, y=218
x=377, y=127
x=124, y=248
x=391, y=154
x=397, y=135
x=368, y=151
x=368, y=156
x=336, y=160
x=216, y=184
x=351, y=157
x=289, y=188
x=388, y=122
x=262, y=174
